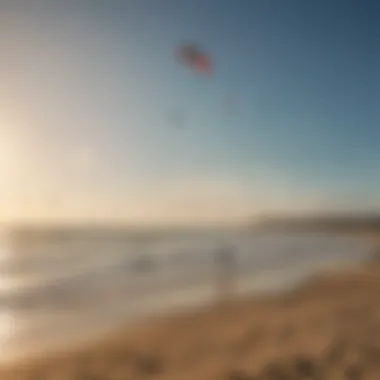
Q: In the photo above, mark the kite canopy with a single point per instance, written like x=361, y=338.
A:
x=200, y=63
x=193, y=57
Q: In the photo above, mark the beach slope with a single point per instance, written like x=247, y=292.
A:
x=328, y=329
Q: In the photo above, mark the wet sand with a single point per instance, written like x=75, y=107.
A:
x=327, y=329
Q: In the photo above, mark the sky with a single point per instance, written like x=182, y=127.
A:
x=100, y=122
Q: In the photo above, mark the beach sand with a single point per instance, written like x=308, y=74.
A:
x=327, y=329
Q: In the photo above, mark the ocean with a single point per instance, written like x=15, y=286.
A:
x=60, y=286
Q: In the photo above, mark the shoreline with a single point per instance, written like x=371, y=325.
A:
x=244, y=323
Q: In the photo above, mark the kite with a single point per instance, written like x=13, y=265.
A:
x=201, y=63
x=195, y=58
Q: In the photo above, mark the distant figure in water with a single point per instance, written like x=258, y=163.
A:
x=226, y=265
x=143, y=264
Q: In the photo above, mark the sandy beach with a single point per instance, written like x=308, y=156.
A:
x=327, y=329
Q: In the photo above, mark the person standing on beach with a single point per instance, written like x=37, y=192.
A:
x=226, y=266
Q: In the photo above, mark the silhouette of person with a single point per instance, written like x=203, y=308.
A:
x=226, y=265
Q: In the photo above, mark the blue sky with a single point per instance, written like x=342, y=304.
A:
x=90, y=91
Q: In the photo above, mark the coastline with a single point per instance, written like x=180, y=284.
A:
x=248, y=336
